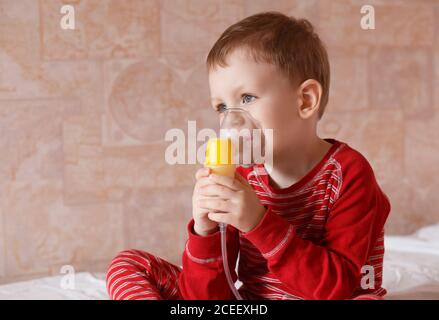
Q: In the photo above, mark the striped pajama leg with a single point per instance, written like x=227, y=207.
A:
x=139, y=275
x=368, y=297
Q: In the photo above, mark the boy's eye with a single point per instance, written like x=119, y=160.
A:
x=246, y=98
x=221, y=108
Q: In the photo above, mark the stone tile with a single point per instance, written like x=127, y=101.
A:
x=22, y=73
x=155, y=224
x=436, y=60
x=410, y=24
x=146, y=93
x=400, y=2
x=198, y=105
x=152, y=93
x=295, y=8
x=194, y=25
x=112, y=134
x=401, y=79
x=41, y=231
x=407, y=24
x=436, y=80
x=127, y=168
x=344, y=31
x=80, y=79
x=19, y=35
x=31, y=138
x=184, y=63
x=2, y=245
x=104, y=29
x=96, y=174
x=349, y=87
x=84, y=178
x=421, y=159
x=401, y=219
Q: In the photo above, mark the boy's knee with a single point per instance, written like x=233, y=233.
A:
x=368, y=297
x=126, y=253
x=127, y=257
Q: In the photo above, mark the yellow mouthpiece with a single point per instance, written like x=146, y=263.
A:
x=218, y=151
x=219, y=156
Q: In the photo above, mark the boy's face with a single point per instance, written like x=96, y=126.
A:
x=262, y=90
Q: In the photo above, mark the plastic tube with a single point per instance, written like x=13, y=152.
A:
x=223, y=230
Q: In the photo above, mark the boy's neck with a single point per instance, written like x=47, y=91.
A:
x=296, y=162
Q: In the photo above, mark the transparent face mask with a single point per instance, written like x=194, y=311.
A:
x=246, y=134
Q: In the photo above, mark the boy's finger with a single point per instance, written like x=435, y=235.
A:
x=219, y=217
x=216, y=190
x=203, y=181
x=225, y=181
x=202, y=172
x=241, y=178
x=213, y=204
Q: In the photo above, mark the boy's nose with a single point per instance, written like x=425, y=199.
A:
x=238, y=120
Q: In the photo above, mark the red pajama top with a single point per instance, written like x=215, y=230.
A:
x=320, y=238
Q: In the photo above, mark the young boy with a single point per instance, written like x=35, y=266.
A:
x=311, y=229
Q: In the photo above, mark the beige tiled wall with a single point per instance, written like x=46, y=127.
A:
x=83, y=115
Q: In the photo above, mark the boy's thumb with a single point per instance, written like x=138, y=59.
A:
x=240, y=178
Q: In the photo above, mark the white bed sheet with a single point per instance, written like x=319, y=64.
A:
x=88, y=286
x=411, y=265
x=411, y=271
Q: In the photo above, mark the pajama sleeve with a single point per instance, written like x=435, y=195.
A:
x=331, y=270
x=203, y=275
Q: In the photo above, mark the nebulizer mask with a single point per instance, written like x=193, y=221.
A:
x=241, y=142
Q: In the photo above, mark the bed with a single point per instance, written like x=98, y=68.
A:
x=411, y=271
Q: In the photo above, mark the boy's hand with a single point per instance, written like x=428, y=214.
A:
x=203, y=225
x=235, y=199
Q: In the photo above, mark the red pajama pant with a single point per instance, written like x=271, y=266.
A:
x=139, y=275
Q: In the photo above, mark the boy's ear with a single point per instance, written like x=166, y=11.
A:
x=309, y=95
